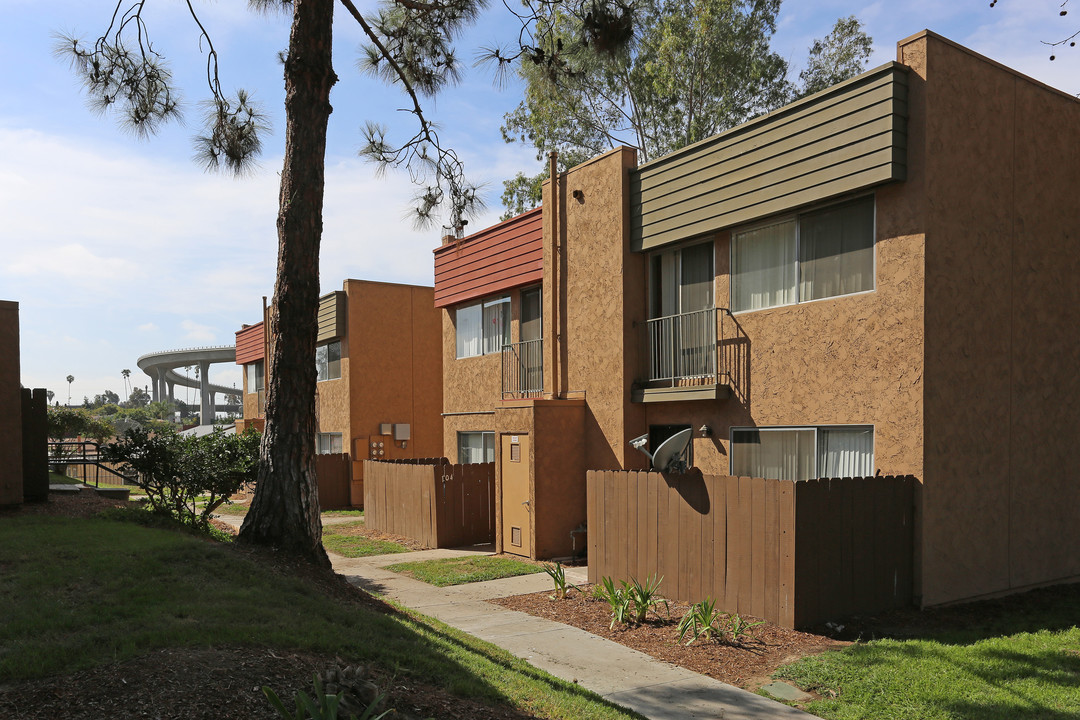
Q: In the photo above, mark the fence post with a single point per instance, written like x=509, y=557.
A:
x=35, y=445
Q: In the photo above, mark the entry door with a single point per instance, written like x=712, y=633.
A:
x=516, y=507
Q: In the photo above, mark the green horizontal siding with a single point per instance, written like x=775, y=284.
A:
x=331, y=316
x=849, y=137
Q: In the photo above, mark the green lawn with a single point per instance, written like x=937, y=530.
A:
x=347, y=539
x=457, y=571
x=343, y=513
x=152, y=588
x=1009, y=659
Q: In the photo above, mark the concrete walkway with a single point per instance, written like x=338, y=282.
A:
x=655, y=689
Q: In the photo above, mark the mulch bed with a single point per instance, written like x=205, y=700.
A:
x=220, y=683
x=748, y=665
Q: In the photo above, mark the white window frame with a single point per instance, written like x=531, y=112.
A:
x=816, y=429
x=324, y=375
x=795, y=218
x=481, y=341
x=255, y=377
x=487, y=443
x=325, y=443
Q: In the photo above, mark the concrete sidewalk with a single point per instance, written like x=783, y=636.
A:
x=657, y=690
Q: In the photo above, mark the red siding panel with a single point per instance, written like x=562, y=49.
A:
x=501, y=257
x=249, y=344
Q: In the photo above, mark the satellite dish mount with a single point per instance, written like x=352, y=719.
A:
x=670, y=457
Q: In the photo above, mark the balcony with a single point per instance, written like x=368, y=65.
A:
x=681, y=359
x=523, y=370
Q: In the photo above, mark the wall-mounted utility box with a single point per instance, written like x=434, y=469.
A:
x=384, y=428
x=401, y=431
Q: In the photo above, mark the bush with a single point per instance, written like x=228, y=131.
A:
x=187, y=477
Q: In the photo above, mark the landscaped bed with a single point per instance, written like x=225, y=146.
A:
x=1015, y=658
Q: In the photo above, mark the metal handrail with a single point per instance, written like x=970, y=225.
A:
x=523, y=369
x=681, y=347
x=59, y=453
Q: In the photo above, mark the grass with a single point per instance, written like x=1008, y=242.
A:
x=152, y=588
x=343, y=513
x=461, y=570
x=1022, y=664
x=347, y=539
x=233, y=509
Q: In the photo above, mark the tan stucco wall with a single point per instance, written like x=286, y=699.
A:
x=1001, y=498
x=471, y=384
x=394, y=368
x=604, y=297
x=11, y=471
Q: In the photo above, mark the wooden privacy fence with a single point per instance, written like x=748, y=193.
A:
x=794, y=553
x=431, y=500
x=333, y=473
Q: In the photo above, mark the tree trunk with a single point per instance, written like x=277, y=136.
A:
x=285, y=510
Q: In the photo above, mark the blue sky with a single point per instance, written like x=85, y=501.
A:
x=115, y=247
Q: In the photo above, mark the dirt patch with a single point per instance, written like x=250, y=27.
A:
x=747, y=665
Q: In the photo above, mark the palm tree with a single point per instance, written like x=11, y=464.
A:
x=70, y=379
x=50, y=395
x=127, y=385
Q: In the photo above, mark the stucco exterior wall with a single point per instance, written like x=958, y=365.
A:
x=11, y=471
x=395, y=368
x=471, y=384
x=1002, y=255
x=603, y=296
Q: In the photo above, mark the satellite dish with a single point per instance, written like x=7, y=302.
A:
x=667, y=457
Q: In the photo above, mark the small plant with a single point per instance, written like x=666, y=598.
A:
x=617, y=598
x=558, y=576
x=644, y=597
x=738, y=627
x=700, y=621
x=324, y=705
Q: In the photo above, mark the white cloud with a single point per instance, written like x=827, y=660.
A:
x=147, y=327
x=195, y=332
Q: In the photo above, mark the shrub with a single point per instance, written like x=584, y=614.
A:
x=187, y=477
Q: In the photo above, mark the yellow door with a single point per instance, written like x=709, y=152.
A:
x=516, y=507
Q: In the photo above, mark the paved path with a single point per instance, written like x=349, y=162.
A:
x=657, y=690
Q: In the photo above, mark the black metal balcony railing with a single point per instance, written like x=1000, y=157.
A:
x=682, y=348
x=523, y=369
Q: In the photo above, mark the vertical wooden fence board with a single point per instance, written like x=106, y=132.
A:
x=614, y=547
x=772, y=551
x=674, y=551
x=719, y=532
x=745, y=574
x=708, y=547
x=652, y=537
x=591, y=539
x=788, y=538
x=757, y=548
x=642, y=566
x=907, y=540
x=596, y=523
x=689, y=536
x=734, y=546
x=828, y=555
x=862, y=553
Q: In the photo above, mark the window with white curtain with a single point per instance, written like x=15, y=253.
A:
x=255, y=376
x=483, y=327
x=814, y=255
x=681, y=280
x=802, y=453
x=476, y=447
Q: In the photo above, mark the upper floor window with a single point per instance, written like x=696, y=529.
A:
x=483, y=327
x=328, y=361
x=681, y=280
x=814, y=255
x=255, y=376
